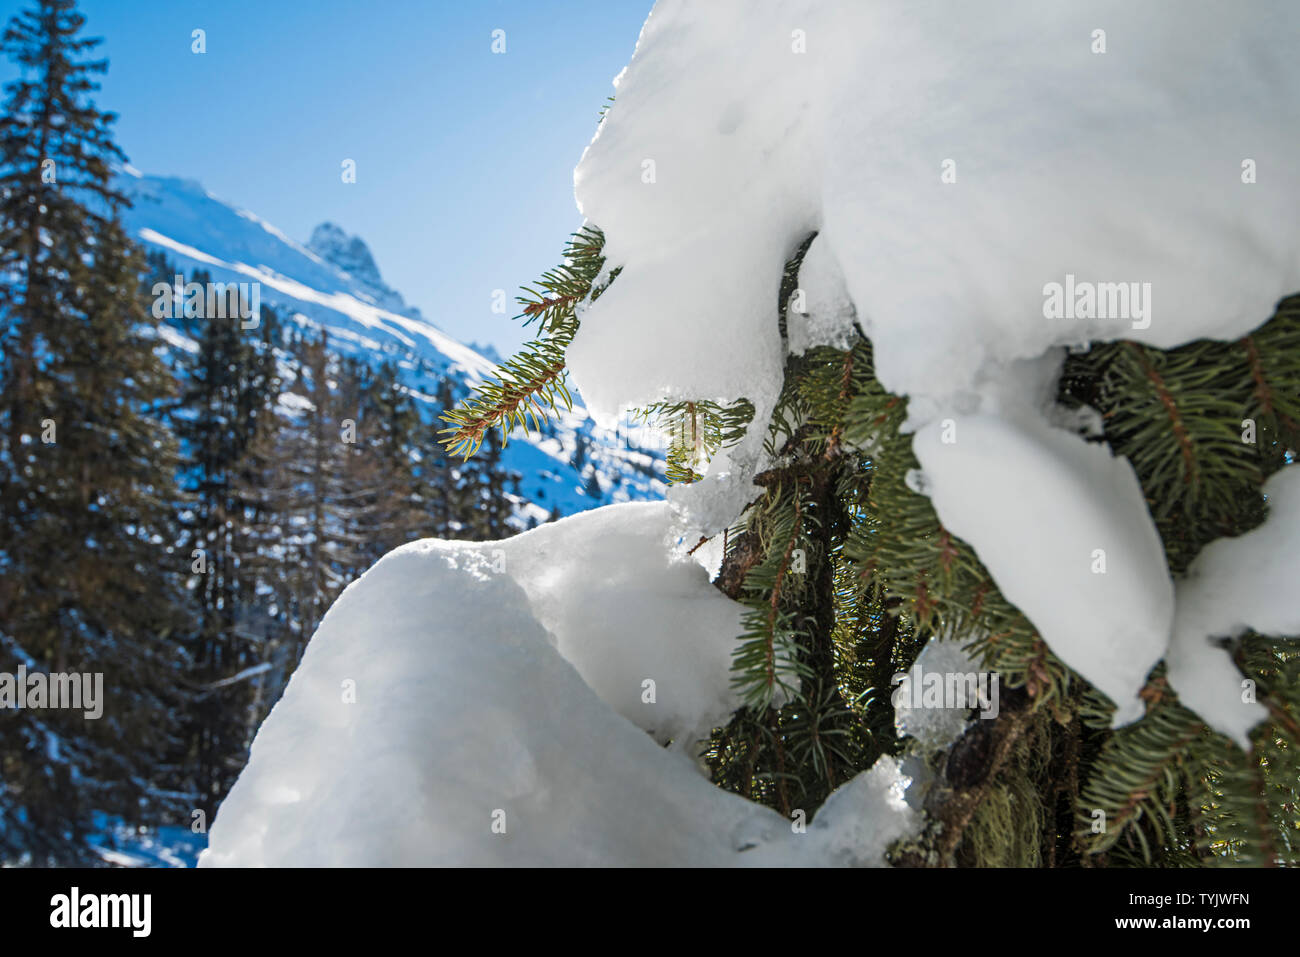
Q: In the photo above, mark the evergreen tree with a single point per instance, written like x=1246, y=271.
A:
x=384, y=464
x=90, y=579
x=230, y=382
x=481, y=492
x=317, y=483
x=270, y=541
x=877, y=576
x=440, y=478
x=491, y=484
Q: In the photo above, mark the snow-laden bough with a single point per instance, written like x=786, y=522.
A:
x=989, y=183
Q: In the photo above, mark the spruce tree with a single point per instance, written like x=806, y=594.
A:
x=230, y=381
x=269, y=569
x=467, y=496
x=90, y=578
x=877, y=576
x=490, y=485
x=320, y=488
x=383, y=464
x=438, y=473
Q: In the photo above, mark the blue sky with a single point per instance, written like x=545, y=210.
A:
x=464, y=157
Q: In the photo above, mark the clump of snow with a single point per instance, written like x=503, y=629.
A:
x=1063, y=528
x=621, y=613
x=821, y=313
x=927, y=708
x=1235, y=584
x=854, y=827
x=479, y=704
x=967, y=167
x=934, y=727
x=709, y=505
x=1116, y=166
x=699, y=178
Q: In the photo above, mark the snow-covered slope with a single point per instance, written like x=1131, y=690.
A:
x=332, y=284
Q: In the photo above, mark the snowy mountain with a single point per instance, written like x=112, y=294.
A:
x=332, y=284
x=349, y=253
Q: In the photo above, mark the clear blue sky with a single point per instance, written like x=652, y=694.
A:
x=464, y=157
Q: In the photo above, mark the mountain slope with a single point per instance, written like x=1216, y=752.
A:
x=333, y=285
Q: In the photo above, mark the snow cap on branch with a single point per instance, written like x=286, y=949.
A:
x=995, y=180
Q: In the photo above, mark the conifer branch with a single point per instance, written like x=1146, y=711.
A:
x=527, y=388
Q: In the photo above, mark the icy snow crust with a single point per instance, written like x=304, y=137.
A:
x=508, y=677
x=955, y=160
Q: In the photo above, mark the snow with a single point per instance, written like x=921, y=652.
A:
x=822, y=313
x=1063, y=528
x=177, y=340
x=957, y=163
x=455, y=685
x=349, y=253
x=706, y=102
x=1117, y=166
x=363, y=313
x=1235, y=584
x=597, y=583
x=934, y=728
x=124, y=845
